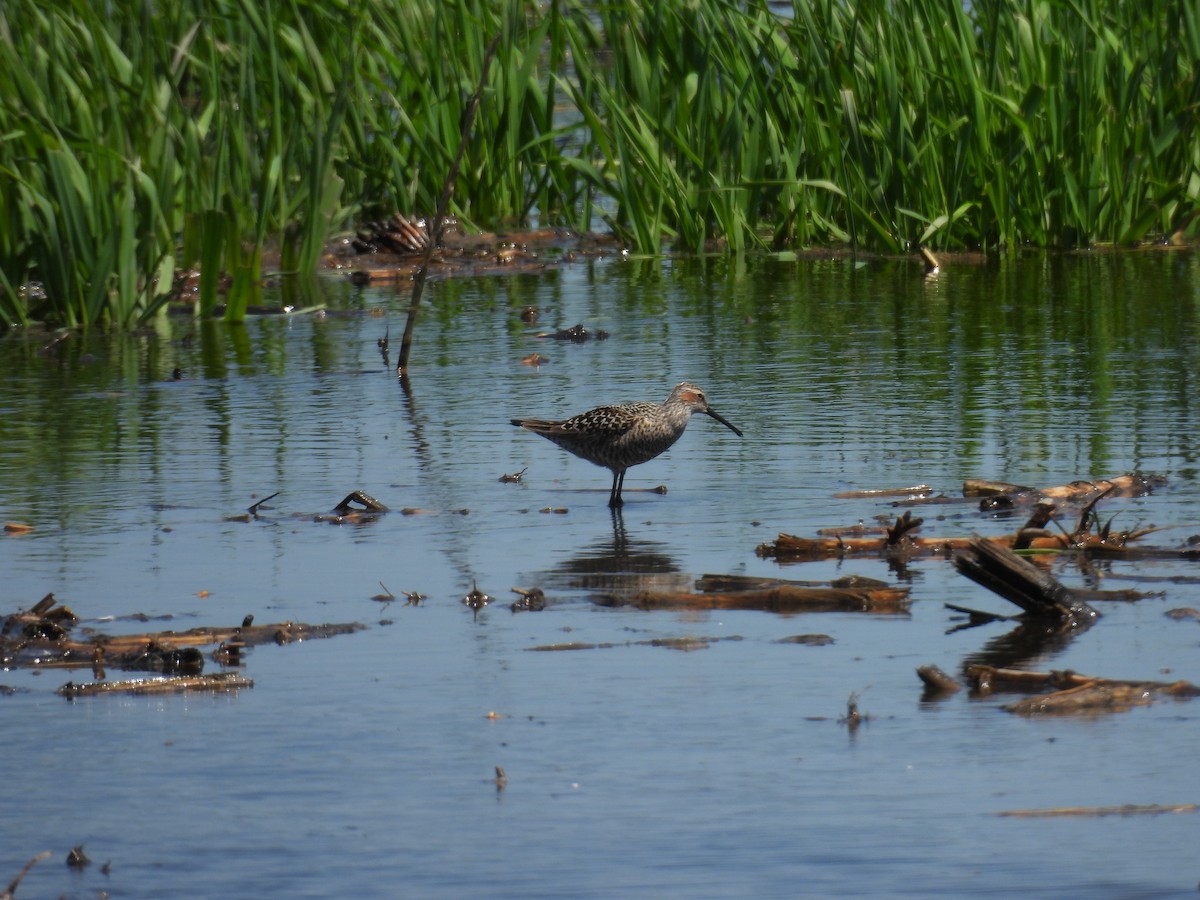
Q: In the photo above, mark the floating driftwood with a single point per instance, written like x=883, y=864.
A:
x=221, y=681
x=40, y=637
x=1072, y=693
x=937, y=682
x=685, y=644
x=844, y=595
x=1129, y=809
x=900, y=539
x=392, y=250
x=1001, y=495
x=915, y=491
x=807, y=640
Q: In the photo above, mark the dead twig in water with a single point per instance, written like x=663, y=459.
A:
x=439, y=217
x=253, y=510
x=12, y=885
x=1128, y=809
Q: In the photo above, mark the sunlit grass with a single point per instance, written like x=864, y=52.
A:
x=223, y=133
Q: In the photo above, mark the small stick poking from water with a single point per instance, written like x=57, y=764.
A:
x=501, y=779
x=443, y=206
x=853, y=717
x=253, y=510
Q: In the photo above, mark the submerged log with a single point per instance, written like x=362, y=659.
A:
x=164, y=651
x=852, y=594
x=222, y=681
x=1072, y=693
x=916, y=490
x=1087, y=698
x=781, y=599
x=998, y=494
x=937, y=682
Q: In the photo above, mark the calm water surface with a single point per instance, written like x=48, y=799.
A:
x=364, y=765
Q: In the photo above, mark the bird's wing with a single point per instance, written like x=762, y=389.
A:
x=604, y=421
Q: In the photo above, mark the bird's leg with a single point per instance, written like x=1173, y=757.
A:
x=614, y=498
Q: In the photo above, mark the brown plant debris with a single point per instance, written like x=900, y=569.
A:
x=220, y=681
x=900, y=539
x=532, y=600
x=41, y=637
x=1129, y=809
x=393, y=250
x=1000, y=495
x=735, y=592
x=808, y=640
x=936, y=681
x=1072, y=693
x=685, y=644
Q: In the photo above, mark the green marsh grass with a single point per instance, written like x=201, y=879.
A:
x=238, y=137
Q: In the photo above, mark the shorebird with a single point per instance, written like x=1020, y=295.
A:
x=617, y=437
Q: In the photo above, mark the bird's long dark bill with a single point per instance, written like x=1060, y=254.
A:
x=724, y=422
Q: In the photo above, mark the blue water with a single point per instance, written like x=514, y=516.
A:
x=364, y=765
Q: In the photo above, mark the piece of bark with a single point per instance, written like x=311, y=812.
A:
x=1000, y=495
x=136, y=651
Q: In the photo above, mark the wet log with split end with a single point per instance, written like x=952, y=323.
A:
x=1036, y=591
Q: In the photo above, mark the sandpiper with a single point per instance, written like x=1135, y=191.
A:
x=617, y=437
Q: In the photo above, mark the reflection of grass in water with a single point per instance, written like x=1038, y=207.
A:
x=210, y=133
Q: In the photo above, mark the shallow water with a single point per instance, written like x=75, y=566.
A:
x=364, y=765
